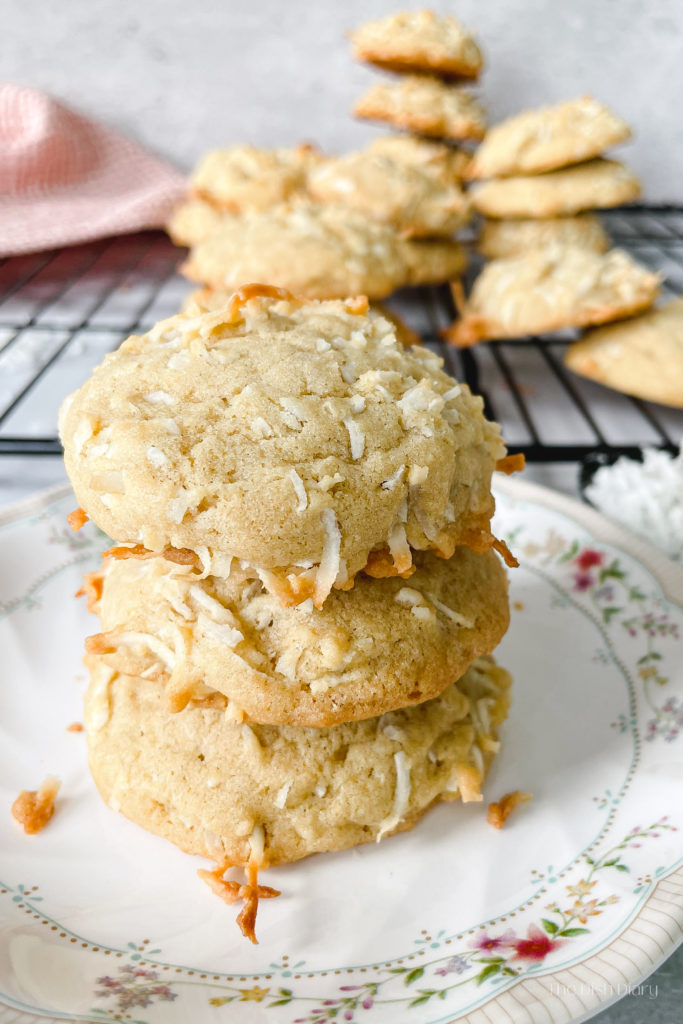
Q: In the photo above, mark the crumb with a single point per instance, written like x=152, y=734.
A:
x=77, y=519
x=75, y=727
x=34, y=808
x=518, y=606
x=511, y=464
x=230, y=892
x=499, y=812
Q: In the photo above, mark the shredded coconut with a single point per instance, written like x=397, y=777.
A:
x=645, y=496
x=329, y=561
x=159, y=649
x=357, y=403
x=156, y=457
x=459, y=619
x=159, y=398
x=393, y=480
x=299, y=490
x=401, y=795
x=406, y=595
x=177, y=507
x=356, y=437
x=261, y=427
x=281, y=796
x=221, y=632
x=399, y=548
x=417, y=475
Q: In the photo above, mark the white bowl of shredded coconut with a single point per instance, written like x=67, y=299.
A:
x=646, y=496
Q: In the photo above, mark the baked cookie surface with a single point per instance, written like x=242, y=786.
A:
x=387, y=643
x=502, y=238
x=432, y=260
x=195, y=220
x=414, y=200
x=642, y=357
x=297, y=436
x=419, y=41
x=311, y=249
x=597, y=184
x=213, y=786
x=244, y=177
x=545, y=290
x=548, y=138
x=448, y=163
x=425, y=105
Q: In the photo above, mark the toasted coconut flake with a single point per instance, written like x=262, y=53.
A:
x=34, y=808
x=500, y=810
x=75, y=727
x=92, y=589
x=230, y=892
x=77, y=519
x=468, y=782
x=511, y=463
x=380, y=565
x=400, y=549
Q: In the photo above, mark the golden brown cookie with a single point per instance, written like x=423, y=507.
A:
x=244, y=177
x=642, y=356
x=419, y=41
x=299, y=436
x=432, y=261
x=597, y=184
x=548, y=138
x=386, y=643
x=425, y=105
x=312, y=250
x=234, y=792
x=545, y=290
x=502, y=238
x=412, y=199
x=195, y=220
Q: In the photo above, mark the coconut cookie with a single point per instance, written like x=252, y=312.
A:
x=432, y=260
x=419, y=41
x=244, y=177
x=502, y=238
x=387, y=643
x=447, y=163
x=642, y=357
x=300, y=437
x=597, y=184
x=425, y=105
x=313, y=250
x=225, y=790
x=551, y=137
x=411, y=199
x=545, y=290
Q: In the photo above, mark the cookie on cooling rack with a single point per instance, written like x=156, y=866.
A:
x=301, y=437
x=502, y=238
x=419, y=41
x=311, y=249
x=547, y=138
x=218, y=788
x=545, y=290
x=425, y=105
x=386, y=643
x=642, y=357
x=245, y=177
x=414, y=200
x=597, y=184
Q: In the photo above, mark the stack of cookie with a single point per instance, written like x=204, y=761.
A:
x=298, y=613
x=368, y=222
x=550, y=266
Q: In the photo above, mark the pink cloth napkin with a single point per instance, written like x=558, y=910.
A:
x=65, y=179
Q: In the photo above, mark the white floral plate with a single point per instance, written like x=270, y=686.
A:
x=573, y=903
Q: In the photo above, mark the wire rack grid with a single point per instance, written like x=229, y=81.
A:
x=62, y=311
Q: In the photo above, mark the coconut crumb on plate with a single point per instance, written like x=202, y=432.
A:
x=500, y=810
x=34, y=808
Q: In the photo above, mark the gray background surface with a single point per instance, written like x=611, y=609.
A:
x=182, y=77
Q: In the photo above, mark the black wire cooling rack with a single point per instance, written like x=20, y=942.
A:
x=60, y=312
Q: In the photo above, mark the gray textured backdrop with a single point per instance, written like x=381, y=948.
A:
x=182, y=76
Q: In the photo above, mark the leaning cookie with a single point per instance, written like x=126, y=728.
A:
x=385, y=644
x=502, y=238
x=597, y=184
x=545, y=290
x=642, y=357
x=298, y=436
x=447, y=163
x=419, y=41
x=311, y=249
x=426, y=105
x=219, y=789
x=412, y=199
x=548, y=138
x=244, y=177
